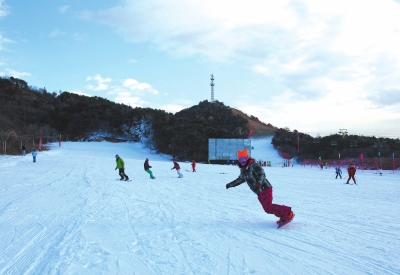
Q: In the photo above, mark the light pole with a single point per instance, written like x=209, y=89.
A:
x=342, y=132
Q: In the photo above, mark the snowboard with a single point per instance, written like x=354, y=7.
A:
x=122, y=180
x=285, y=223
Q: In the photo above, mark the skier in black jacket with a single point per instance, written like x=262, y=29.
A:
x=252, y=173
x=147, y=168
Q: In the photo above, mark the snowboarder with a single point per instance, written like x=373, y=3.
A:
x=23, y=148
x=193, y=166
x=147, y=168
x=178, y=169
x=252, y=173
x=34, y=154
x=351, y=171
x=338, y=172
x=121, y=167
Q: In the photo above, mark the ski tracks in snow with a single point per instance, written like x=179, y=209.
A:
x=68, y=215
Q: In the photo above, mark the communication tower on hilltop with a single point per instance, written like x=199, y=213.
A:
x=212, y=88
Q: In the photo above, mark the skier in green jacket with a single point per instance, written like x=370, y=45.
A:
x=121, y=167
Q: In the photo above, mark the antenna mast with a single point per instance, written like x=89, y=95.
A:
x=212, y=88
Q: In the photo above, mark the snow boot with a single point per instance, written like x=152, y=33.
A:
x=288, y=218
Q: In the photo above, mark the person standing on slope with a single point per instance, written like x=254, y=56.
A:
x=23, y=150
x=193, y=166
x=147, y=168
x=178, y=169
x=121, y=167
x=252, y=173
x=338, y=172
x=34, y=154
x=351, y=171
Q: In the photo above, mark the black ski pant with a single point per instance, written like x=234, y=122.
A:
x=122, y=173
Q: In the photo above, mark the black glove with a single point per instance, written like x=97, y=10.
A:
x=115, y=168
x=227, y=186
x=150, y=167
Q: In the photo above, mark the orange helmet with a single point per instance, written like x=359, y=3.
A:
x=243, y=156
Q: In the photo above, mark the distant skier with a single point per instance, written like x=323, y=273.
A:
x=178, y=169
x=121, y=166
x=252, y=173
x=351, y=171
x=147, y=168
x=34, y=154
x=23, y=148
x=193, y=166
x=338, y=172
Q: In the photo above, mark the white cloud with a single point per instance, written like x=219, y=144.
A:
x=3, y=9
x=135, y=86
x=130, y=92
x=16, y=74
x=3, y=41
x=127, y=99
x=56, y=32
x=285, y=40
x=81, y=93
x=86, y=15
x=63, y=9
x=81, y=37
x=321, y=55
x=101, y=83
x=172, y=108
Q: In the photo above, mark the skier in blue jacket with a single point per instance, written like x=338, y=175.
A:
x=338, y=172
x=34, y=154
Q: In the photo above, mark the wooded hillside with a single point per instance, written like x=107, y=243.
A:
x=26, y=111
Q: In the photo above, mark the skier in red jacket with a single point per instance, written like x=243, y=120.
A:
x=252, y=173
x=351, y=171
x=178, y=169
x=193, y=166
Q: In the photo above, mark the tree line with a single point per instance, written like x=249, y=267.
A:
x=303, y=146
x=27, y=111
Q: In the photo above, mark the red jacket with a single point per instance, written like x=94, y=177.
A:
x=193, y=164
x=351, y=171
x=176, y=166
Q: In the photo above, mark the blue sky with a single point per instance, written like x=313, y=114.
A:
x=315, y=66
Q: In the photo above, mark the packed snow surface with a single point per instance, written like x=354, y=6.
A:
x=67, y=214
